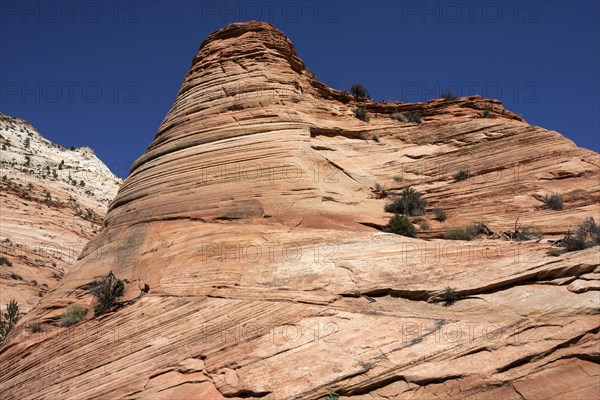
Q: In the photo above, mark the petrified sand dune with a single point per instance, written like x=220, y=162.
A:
x=247, y=235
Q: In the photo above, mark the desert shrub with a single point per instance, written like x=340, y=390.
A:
x=379, y=189
x=461, y=175
x=36, y=327
x=586, y=235
x=486, y=114
x=400, y=225
x=524, y=233
x=106, y=293
x=375, y=138
x=553, y=252
x=400, y=116
x=8, y=319
x=449, y=296
x=332, y=396
x=409, y=202
x=440, y=214
x=424, y=225
x=359, y=91
x=553, y=202
x=414, y=117
x=448, y=96
x=362, y=114
x=72, y=315
x=461, y=233
x=5, y=261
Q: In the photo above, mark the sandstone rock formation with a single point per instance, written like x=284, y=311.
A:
x=48, y=211
x=249, y=237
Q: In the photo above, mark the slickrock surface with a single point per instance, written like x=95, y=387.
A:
x=249, y=238
x=48, y=211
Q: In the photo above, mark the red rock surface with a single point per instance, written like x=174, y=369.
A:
x=247, y=236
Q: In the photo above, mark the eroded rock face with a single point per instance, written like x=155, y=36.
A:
x=52, y=202
x=247, y=235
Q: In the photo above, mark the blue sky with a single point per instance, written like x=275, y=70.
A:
x=105, y=73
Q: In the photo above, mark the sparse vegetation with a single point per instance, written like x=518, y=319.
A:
x=380, y=191
x=8, y=319
x=440, y=214
x=524, y=233
x=375, y=138
x=414, y=117
x=424, y=225
x=461, y=233
x=400, y=116
x=461, y=175
x=449, y=296
x=62, y=164
x=106, y=293
x=553, y=252
x=448, y=96
x=359, y=91
x=72, y=315
x=5, y=261
x=82, y=183
x=362, y=114
x=553, y=202
x=486, y=114
x=332, y=396
x=586, y=235
x=409, y=202
x=36, y=327
x=27, y=143
x=469, y=232
x=400, y=225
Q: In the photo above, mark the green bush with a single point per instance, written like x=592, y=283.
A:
x=424, y=225
x=461, y=233
x=586, y=235
x=461, y=175
x=375, y=137
x=9, y=319
x=400, y=225
x=553, y=252
x=409, y=202
x=486, y=114
x=362, y=114
x=400, y=116
x=448, y=96
x=359, y=91
x=553, y=202
x=440, y=214
x=5, y=261
x=72, y=315
x=107, y=292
